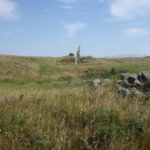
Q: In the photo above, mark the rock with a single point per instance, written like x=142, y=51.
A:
x=131, y=79
x=123, y=92
x=136, y=92
x=119, y=81
x=77, y=57
x=99, y=82
x=106, y=82
x=138, y=84
x=95, y=83
x=128, y=76
x=124, y=76
x=146, y=85
x=145, y=75
x=134, y=84
x=139, y=77
x=125, y=84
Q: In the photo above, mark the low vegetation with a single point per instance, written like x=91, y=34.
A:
x=46, y=105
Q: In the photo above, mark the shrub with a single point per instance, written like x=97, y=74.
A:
x=71, y=55
x=136, y=125
x=108, y=127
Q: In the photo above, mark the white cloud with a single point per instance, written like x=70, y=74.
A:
x=129, y=9
x=137, y=32
x=8, y=10
x=73, y=28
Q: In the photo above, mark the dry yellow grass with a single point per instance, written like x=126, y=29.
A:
x=51, y=108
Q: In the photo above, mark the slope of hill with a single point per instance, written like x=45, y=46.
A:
x=45, y=104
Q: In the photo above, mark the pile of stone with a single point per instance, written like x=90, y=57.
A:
x=134, y=84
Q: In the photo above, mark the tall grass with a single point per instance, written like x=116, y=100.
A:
x=52, y=109
x=78, y=119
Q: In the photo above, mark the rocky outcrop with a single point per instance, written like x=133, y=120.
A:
x=130, y=84
x=134, y=84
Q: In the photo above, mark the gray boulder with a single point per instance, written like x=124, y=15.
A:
x=143, y=76
x=136, y=92
x=139, y=77
x=146, y=85
x=123, y=92
x=131, y=77
x=125, y=84
x=119, y=81
x=106, y=82
x=124, y=76
x=95, y=83
x=134, y=84
x=99, y=82
x=138, y=84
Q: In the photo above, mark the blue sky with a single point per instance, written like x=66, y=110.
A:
x=56, y=27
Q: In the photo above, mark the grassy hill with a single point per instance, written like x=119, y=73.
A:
x=45, y=105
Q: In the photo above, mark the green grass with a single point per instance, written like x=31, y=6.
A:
x=45, y=105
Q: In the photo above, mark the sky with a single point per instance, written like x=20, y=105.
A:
x=103, y=28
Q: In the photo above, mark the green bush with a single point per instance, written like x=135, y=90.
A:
x=108, y=127
x=136, y=125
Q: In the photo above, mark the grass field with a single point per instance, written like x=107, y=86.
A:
x=45, y=105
